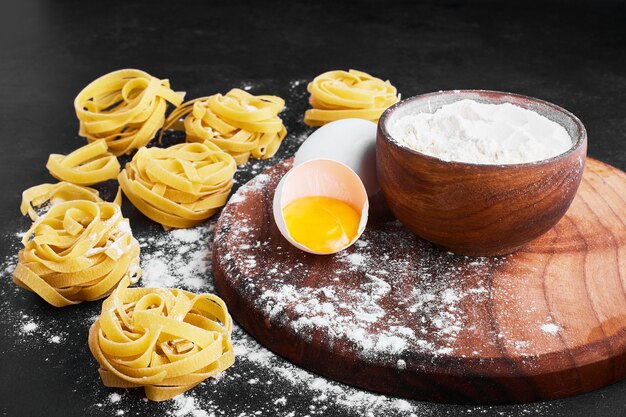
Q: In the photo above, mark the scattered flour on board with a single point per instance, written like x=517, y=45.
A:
x=550, y=328
x=429, y=294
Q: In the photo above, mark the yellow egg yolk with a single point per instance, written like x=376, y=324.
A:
x=322, y=224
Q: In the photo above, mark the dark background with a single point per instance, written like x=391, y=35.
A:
x=569, y=53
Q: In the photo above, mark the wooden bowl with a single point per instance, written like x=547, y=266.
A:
x=474, y=209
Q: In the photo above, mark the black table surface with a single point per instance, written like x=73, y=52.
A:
x=569, y=53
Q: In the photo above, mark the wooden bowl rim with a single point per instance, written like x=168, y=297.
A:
x=581, y=138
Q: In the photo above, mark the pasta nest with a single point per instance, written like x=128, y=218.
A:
x=179, y=186
x=56, y=193
x=348, y=94
x=78, y=251
x=90, y=164
x=165, y=340
x=240, y=123
x=125, y=108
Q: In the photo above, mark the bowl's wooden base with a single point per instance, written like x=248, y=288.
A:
x=399, y=316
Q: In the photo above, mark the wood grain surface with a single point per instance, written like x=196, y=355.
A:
x=397, y=315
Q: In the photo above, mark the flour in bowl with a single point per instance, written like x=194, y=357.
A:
x=479, y=133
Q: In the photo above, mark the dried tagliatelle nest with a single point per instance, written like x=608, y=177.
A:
x=78, y=251
x=90, y=164
x=241, y=124
x=348, y=94
x=41, y=194
x=179, y=186
x=126, y=108
x=165, y=340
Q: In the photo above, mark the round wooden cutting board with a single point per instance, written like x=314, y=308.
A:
x=396, y=315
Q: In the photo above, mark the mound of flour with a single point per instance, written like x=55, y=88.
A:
x=479, y=133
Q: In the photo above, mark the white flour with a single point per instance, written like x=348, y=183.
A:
x=550, y=328
x=29, y=327
x=356, y=313
x=176, y=258
x=114, y=397
x=468, y=131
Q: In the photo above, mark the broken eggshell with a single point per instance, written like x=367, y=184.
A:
x=325, y=178
x=349, y=141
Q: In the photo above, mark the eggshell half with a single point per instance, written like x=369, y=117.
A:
x=320, y=177
x=349, y=141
